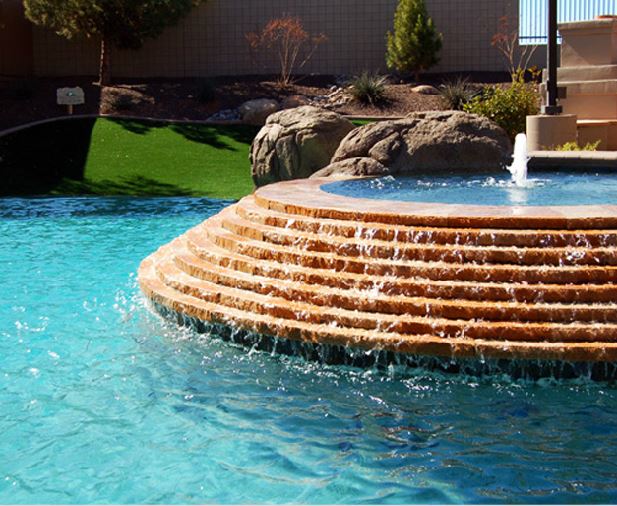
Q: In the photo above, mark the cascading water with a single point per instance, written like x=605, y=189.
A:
x=518, y=169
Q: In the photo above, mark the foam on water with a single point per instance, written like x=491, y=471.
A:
x=555, y=188
x=102, y=401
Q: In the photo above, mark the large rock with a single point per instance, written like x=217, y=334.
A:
x=255, y=112
x=425, y=142
x=425, y=89
x=353, y=167
x=295, y=143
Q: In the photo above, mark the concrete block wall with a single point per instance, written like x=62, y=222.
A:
x=16, y=56
x=211, y=40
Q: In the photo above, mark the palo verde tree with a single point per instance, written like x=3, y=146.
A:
x=415, y=43
x=122, y=24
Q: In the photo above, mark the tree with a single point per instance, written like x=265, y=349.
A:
x=415, y=43
x=122, y=24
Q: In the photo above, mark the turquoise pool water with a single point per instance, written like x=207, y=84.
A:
x=555, y=188
x=103, y=402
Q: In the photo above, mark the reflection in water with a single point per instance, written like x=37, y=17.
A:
x=517, y=195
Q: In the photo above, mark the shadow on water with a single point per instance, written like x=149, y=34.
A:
x=35, y=160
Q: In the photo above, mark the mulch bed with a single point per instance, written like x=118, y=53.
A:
x=26, y=100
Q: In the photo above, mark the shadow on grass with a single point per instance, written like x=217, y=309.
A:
x=135, y=186
x=35, y=160
x=212, y=135
x=52, y=158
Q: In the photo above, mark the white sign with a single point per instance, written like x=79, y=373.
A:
x=70, y=96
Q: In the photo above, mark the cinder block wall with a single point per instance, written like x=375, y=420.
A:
x=16, y=57
x=211, y=41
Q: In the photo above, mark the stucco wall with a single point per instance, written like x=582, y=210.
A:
x=211, y=41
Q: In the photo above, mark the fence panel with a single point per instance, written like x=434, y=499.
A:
x=533, y=17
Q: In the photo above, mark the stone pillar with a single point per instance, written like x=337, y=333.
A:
x=544, y=132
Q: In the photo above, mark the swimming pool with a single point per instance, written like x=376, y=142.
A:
x=101, y=401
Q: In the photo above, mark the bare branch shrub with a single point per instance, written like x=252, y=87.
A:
x=288, y=41
x=517, y=56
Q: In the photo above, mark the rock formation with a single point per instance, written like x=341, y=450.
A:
x=422, y=142
x=295, y=143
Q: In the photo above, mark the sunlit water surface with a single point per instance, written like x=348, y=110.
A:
x=101, y=401
x=542, y=188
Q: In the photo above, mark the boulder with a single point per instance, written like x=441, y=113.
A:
x=425, y=89
x=353, y=167
x=255, y=112
x=424, y=142
x=295, y=143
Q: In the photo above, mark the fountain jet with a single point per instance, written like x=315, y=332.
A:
x=518, y=169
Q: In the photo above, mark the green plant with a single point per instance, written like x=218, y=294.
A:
x=415, y=43
x=124, y=24
x=206, y=91
x=573, y=146
x=369, y=88
x=456, y=93
x=507, y=106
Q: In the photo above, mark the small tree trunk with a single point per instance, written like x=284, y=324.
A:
x=104, y=68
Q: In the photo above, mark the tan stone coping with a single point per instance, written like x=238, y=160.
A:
x=588, y=160
x=306, y=197
x=591, y=25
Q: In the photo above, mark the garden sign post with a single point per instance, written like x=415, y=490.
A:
x=70, y=97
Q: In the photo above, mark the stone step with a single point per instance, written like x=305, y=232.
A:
x=376, y=302
x=403, y=324
x=213, y=231
x=296, y=263
x=388, y=285
x=586, y=72
x=248, y=209
x=373, y=248
x=186, y=305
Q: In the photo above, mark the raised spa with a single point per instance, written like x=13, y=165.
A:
x=400, y=279
x=563, y=188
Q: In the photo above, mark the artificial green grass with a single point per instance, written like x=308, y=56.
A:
x=127, y=157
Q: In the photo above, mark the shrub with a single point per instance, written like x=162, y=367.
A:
x=206, y=91
x=508, y=107
x=573, y=146
x=21, y=89
x=369, y=88
x=415, y=43
x=517, y=56
x=457, y=93
x=122, y=102
x=286, y=40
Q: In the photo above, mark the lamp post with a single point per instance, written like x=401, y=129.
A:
x=551, y=106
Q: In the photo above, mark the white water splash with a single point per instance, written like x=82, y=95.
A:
x=518, y=169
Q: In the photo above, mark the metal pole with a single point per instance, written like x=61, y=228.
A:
x=551, y=106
